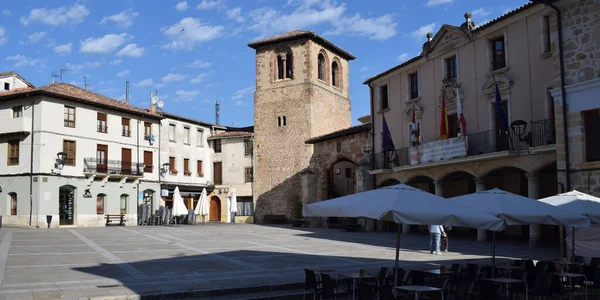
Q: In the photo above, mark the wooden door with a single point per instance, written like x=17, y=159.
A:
x=125, y=161
x=102, y=158
x=215, y=209
x=147, y=161
x=218, y=173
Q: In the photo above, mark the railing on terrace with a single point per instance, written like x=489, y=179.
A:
x=392, y=158
x=541, y=133
x=117, y=167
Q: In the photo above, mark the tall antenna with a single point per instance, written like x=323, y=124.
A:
x=85, y=82
x=62, y=70
x=54, y=76
x=127, y=91
x=217, y=112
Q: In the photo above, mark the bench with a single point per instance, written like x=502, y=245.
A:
x=119, y=217
x=274, y=219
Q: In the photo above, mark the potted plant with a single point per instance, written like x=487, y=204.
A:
x=297, y=220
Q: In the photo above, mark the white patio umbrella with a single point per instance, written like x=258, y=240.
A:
x=178, y=205
x=577, y=202
x=202, y=206
x=519, y=210
x=233, y=205
x=403, y=204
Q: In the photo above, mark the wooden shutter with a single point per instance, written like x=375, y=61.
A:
x=199, y=169
x=172, y=164
x=148, y=161
x=70, y=148
x=218, y=173
x=186, y=166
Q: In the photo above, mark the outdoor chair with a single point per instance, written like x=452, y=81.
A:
x=464, y=290
x=518, y=287
x=456, y=268
x=595, y=284
x=311, y=283
x=543, y=287
x=473, y=272
x=386, y=293
x=594, y=264
x=328, y=287
x=417, y=278
x=366, y=292
x=518, y=263
x=383, y=276
x=579, y=259
x=490, y=291
x=440, y=283
x=402, y=277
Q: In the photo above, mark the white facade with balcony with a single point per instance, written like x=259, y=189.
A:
x=100, y=174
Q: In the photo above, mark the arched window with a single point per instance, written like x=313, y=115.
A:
x=124, y=200
x=320, y=67
x=100, y=204
x=284, y=121
x=289, y=66
x=335, y=74
x=12, y=197
x=279, y=67
x=279, y=121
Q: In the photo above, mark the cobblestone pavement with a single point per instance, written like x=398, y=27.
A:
x=85, y=263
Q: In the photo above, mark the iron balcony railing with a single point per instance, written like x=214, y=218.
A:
x=116, y=167
x=541, y=133
x=392, y=158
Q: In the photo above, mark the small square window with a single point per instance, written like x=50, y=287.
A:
x=17, y=111
x=217, y=146
x=249, y=175
x=6, y=86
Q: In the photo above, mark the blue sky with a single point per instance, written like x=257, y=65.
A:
x=142, y=41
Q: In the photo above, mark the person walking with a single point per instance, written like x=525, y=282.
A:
x=435, y=231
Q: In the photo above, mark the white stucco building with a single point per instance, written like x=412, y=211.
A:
x=106, y=148
x=232, y=169
x=184, y=146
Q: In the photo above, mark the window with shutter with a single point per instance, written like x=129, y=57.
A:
x=13, y=153
x=70, y=148
x=101, y=123
x=125, y=129
x=199, y=169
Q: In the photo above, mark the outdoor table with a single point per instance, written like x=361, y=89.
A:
x=505, y=268
x=417, y=289
x=354, y=276
x=438, y=272
x=507, y=282
x=570, y=276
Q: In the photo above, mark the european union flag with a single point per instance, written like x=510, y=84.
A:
x=387, y=143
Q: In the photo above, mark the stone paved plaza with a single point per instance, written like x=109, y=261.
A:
x=122, y=262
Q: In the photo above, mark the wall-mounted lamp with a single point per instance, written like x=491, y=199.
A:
x=60, y=162
x=519, y=127
x=165, y=169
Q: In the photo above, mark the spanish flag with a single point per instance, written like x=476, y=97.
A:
x=444, y=121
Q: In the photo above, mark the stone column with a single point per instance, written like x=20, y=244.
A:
x=480, y=187
x=439, y=188
x=533, y=193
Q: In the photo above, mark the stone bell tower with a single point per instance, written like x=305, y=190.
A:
x=301, y=93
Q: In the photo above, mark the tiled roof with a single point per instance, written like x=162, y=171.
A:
x=340, y=133
x=13, y=73
x=244, y=129
x=230, y=134
x=299, y=34
x=73, y=93
x=479, y=28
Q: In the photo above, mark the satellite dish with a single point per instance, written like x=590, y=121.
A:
x=160, y=104
x=155, y=99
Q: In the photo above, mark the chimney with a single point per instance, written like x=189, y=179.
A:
x=152, y=106
x=429, y=37
x=127, y=91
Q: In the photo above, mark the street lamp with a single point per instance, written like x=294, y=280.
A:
x=164, y=169
x=60, y=162
x=519, y=127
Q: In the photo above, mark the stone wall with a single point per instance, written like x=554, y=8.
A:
x=311, y=107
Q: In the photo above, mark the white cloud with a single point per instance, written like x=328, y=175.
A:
x=6, y=13
x=131, y=50
x=123, y=19
x=76, y=68
x=241, y=93
x=403, y=57
x=198, y=78
x=3, y=38
x=432, y=3
x=23, y=61
x=63, y=49
x=209, y=4
x=160, y=86
x=145, y=83
x=188, y=32
x=239, y=103
x=267, y=21
x=363, y=69
x=33, y=38
x=198, y=64
x=421, y=33
x=480, y=12
x=116, y=61
x=123, y=73
x=181, y=6
x=235, y=14
x=105, y=44
x=186, y=96
x=58, y=16
x=173, y=77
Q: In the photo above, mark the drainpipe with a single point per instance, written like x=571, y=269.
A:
x=31, y=163
x=137, y=197
x=563, y=91
x=372, y=136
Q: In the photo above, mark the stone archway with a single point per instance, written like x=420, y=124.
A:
x=215, y=209
x=422, y=182
x=388, y=182
x=457, y=183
